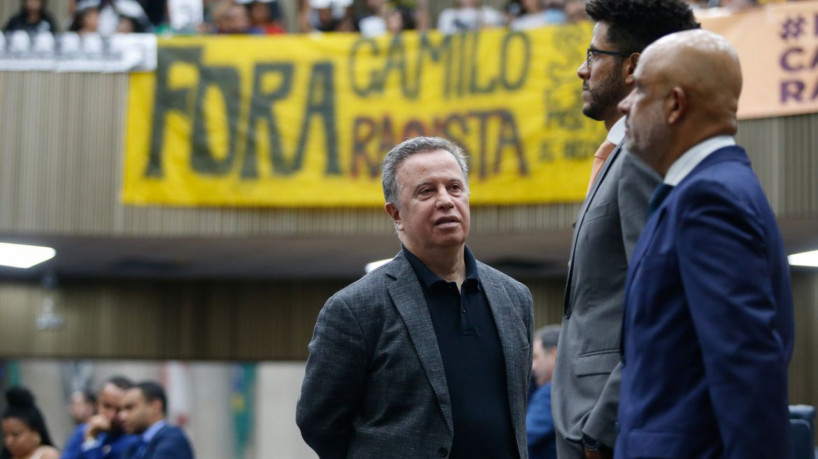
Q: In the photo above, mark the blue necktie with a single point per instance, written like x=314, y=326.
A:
x=659, y=195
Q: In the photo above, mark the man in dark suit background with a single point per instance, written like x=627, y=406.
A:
x=102, y=437
x=542, y=441
x=143, y=412
x=708, y=320
x=429, y=355
x=586, y=378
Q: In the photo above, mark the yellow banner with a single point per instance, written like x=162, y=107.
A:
x=306, y=120
x=778, y=48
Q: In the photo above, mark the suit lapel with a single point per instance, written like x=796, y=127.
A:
x=507, y=322
x=580, y=218
x=408, y=298
x=509, y=327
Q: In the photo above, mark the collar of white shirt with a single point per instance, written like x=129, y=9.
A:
x=617, y=132
x=691, y=158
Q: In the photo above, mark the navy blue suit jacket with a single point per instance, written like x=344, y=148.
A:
x=708, y=323
x=169, y=443
x=110, y=447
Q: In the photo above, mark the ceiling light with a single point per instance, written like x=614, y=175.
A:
x=24, y=256
x=376, y=264
x=804, y=259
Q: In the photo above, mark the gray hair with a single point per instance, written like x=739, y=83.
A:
x=410, y=147
x=548, y=335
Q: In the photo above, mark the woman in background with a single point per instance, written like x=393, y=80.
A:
x=25, y=435
x=33, y=18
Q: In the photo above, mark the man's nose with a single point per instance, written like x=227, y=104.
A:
x=583, y=71
x=444, y=199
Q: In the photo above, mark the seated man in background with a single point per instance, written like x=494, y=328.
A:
x=102, y=436
x=142, y=412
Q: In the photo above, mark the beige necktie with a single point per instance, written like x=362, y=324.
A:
x=600, y=156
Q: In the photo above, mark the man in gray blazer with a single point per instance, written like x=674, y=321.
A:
x=429, y=355
x=585, y=387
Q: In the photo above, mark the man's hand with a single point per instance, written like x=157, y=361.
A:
x=607, y=454
x=96, y=425
x=594, y=449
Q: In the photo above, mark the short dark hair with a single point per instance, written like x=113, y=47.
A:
x=120, y=382
x=152, y=391
x=90, y=397
x=634, y=24
x=21, y=406
x=549, y=336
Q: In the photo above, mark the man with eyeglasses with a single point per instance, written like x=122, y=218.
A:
x=585, y=392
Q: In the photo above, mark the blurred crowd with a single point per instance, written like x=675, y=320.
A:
x=123, y=419
x=266, y=17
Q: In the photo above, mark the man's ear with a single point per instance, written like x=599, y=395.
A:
x=156, y=406
x=629, y=66
x=393, y=212
x=675, y=105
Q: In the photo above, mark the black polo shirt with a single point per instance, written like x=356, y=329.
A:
x=473, y=361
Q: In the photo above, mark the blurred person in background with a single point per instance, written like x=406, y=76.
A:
x=111, y=12
x=25, y=435
x=265, y=17
x=102, y=437
x=142, y=412
x=231, y=18
x=468, y=15
x=83, y=406
x=539, y=422
x=575, y=11
x=132, y=21
x=531, y=14
x=325, y=16
x=373, y=22
x=86, y=18
x=382, y=16
x=33, y=18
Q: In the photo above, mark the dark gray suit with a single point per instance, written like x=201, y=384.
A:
x=587, y=374
x=375, y=385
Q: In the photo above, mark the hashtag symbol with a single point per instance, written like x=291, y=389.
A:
x=793, y=28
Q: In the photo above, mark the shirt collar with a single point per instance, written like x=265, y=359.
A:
x=148, y=435
x=428, y=278
x=617, y=132
x=691, y=158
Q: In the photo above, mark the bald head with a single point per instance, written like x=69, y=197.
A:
x=704, y=64
x=691, y=82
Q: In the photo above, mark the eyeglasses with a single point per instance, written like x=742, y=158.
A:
x=591, y=51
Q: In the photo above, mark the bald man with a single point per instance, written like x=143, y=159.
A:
x=708, y=320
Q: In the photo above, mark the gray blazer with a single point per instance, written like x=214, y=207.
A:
x=585, y=388
x=375, y=384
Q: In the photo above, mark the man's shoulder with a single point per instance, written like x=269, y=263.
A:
x=173, y=439
x=170, y=431
x=377, y=280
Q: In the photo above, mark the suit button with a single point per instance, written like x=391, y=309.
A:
x=442, y=452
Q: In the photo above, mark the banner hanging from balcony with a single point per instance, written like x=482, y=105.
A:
x=778, y=49
x=306, y=120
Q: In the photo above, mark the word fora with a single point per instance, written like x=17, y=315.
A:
x=319, y=121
